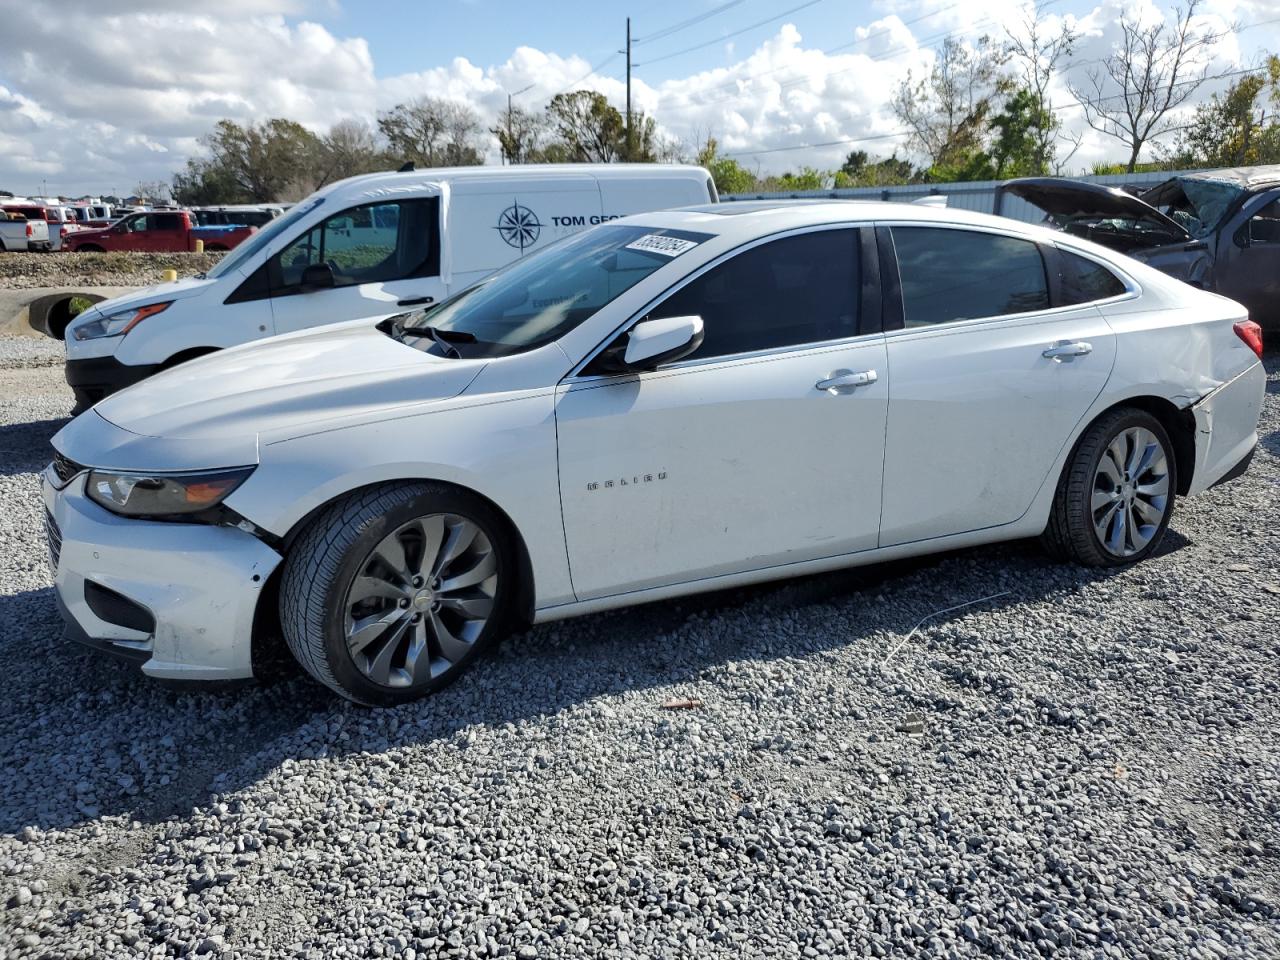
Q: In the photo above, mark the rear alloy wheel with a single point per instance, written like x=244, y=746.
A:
x=1116, y=495
x=392, y=592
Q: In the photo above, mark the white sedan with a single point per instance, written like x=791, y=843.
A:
x=669, y=403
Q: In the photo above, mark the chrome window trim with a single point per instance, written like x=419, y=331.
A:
x=576, y=376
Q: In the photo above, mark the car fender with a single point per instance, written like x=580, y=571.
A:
x=502, y=447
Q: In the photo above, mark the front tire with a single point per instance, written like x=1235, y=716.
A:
x=392, y=592
x=1116, y=495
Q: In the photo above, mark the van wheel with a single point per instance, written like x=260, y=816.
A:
x=392, y=592
x=1115, y=497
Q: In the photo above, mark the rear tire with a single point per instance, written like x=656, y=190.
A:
x=392, y=592
x=1116, y=494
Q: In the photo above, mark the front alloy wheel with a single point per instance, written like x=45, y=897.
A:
x=392, y=591
x=421, y=600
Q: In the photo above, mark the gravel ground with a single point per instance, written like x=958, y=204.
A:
x=23, y=270
x=1084, y=767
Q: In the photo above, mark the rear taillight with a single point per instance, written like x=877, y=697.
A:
x=63, y=232
x=30, y=232
x=1251, y=334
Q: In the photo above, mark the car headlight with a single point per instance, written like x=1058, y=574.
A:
x=162, y=494
x=118, y=324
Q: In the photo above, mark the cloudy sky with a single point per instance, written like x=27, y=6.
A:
x=96, y=96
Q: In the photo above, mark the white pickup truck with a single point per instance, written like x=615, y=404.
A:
x=20, y=234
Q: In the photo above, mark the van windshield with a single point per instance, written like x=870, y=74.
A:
x=244, y=251
x=542, y=297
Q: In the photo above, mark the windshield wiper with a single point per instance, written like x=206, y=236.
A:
x=444, y=339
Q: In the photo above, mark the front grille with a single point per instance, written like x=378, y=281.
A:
x=54, y=536
x=64, y=469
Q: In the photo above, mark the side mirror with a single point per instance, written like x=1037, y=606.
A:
x=651, y=343
x=317, y=276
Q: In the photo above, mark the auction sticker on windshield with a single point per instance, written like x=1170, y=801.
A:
x=659, y=243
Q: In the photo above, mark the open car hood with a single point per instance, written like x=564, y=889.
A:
x=1074, y=200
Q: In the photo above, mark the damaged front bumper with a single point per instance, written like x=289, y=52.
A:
x=178, y=598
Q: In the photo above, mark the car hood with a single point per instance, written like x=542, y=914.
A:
x=1071, y=198
x=212, y=411
x=160, y=292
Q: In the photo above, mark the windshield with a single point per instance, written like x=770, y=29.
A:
x=1196, y=205
x=542, y=297
x=263, y=237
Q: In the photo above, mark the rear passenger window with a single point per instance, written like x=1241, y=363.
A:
x=950, y=275
x=168, y=221
x=797, y=290
x=1084, y=281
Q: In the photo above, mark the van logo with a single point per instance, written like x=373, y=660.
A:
x=519, y=226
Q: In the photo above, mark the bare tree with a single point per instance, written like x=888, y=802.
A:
x=946, y=111
x=1156, y=69
x=1036, y=52
x=433, y=132
x=349, y=149
x=520, y=134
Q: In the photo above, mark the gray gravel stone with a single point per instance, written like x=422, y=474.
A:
x=1089, y=769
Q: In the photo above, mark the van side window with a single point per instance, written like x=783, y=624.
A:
x=949, y=275
x=371, y=243
x=784, y=293
x=1084, y=281
x=168, y=221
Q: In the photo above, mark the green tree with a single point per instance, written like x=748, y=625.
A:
x=1234, y=129
x=1018, y=149
x=270, y=161
x=1035, y=52
x=432, y=132
x=587, y=126
x=729, y=175
x=860, y=170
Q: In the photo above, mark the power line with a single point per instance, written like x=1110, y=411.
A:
x=685, y=24
x=727, y=36
x=904, y=133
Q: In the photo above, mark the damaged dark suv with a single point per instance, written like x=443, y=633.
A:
x=1218, y=230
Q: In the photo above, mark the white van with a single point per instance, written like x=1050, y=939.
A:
x=369, y=246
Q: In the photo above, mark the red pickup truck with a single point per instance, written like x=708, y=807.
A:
x=157, y=231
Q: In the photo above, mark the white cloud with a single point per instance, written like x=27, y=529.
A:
x=134, y=85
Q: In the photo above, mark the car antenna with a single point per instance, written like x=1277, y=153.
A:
x=406, y=167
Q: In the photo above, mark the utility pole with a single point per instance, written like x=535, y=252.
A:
x=629, y=151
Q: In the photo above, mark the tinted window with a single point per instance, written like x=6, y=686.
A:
x=168, y=221
x=801, y=289
x=950, y=275
x=1084, y=281
x=374, y=243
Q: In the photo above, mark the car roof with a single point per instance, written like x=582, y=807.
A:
x=406, y=180
x=760, y=218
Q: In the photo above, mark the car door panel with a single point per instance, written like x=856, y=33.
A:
x=1248, y=264
x=711, y=469
x=978, y=416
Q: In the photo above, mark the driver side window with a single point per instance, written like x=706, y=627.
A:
x=1264, y=226
x=371, y=243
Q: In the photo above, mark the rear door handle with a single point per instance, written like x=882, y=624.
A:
x=844, y=381
x=415, y=302
x=1067, y=350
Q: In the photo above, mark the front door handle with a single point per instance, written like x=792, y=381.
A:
x=1064, y=351
x=415, y=302
x=845, y=381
